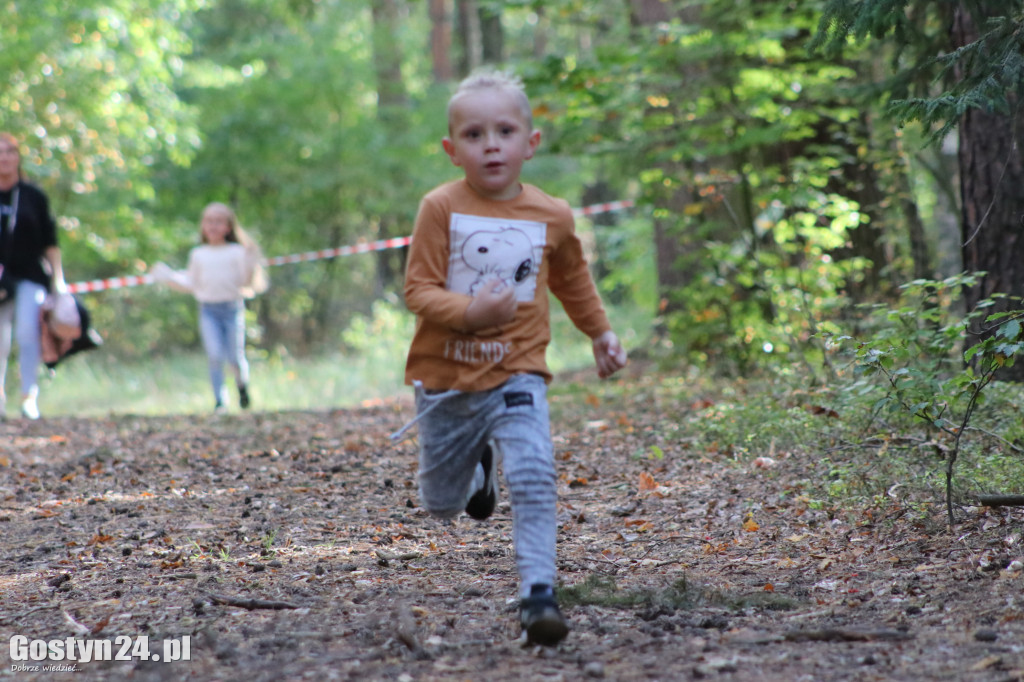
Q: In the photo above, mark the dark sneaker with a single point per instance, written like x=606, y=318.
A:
x=482, y=504
x=243, y=397
x=540, y=617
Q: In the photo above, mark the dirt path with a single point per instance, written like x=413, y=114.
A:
x=291, y=546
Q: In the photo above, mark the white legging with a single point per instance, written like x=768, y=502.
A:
x=22, y=317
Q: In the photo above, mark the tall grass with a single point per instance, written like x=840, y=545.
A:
x=371, y=367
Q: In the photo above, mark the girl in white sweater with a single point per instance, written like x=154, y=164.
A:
x=223, y=271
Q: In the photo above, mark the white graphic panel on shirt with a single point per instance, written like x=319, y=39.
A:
x=485, y=249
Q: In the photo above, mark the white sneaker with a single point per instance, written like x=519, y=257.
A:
x=29, y=409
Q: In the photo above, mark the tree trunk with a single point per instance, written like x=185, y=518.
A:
x=859, y=181
x=604, y=225
x=648, y=12
x=387, y=56
x=992, y=209
x=540, y=34
x=921, y=253
x=469, y=35
x=441, y=40
x=943, y=167
x=492, y=36
x=676, y=241
x=677, y=246
x=391, y=113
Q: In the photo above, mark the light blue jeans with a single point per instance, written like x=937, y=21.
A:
x=222, y=329
x=22, y=316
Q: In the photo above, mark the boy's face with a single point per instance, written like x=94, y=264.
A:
x=490, y=138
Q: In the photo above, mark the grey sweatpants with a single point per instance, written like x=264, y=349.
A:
x=454, y=429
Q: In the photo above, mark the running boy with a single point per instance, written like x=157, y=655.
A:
x=485, y=251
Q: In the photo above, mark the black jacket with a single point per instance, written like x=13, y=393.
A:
x=21, y=250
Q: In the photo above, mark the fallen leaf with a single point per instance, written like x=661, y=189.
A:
x=988, y=662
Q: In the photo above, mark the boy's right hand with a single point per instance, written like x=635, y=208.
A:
x=609, y=354
x=494, y=305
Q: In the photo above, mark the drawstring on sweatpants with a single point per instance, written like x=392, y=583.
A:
x=436, y=399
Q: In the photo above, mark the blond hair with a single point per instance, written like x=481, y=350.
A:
x=259, y=282
x=493, y=79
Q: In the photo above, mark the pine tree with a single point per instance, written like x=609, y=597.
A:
x=959, y=65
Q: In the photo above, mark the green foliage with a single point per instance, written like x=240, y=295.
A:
x=735, y=139
x=830, y=442
x=773, y=414
x=627, y=261
x=170, y=381
x=765, y=295
x=602, y=591
x=292, y=137
x=738, y=140
x=96, y=384
x=596, y=590
x=987, y=73
x=382, y=338
x=937, y=369
x=88, y=87
x=267, y=542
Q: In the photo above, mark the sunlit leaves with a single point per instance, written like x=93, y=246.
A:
x=918, y=356
x=88, y=87
x=723, y=102
x=97, y=74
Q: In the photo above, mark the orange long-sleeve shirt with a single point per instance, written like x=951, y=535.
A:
x=462, y=240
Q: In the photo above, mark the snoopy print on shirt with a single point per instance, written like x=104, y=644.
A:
x=484, y=250
x=487, y=249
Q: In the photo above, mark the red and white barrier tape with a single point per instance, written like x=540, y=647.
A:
x=603, y=208
x=112, y=283
x=379, y=245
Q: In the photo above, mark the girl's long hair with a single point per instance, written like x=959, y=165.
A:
x=259, y=282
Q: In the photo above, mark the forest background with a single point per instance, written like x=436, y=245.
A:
x=826, y=193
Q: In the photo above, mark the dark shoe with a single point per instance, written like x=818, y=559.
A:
x=482, y=504
x=243, y=397
x=540, y=617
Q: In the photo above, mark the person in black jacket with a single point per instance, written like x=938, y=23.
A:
x=32, y=267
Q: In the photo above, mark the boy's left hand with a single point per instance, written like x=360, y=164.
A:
x=609, y=354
